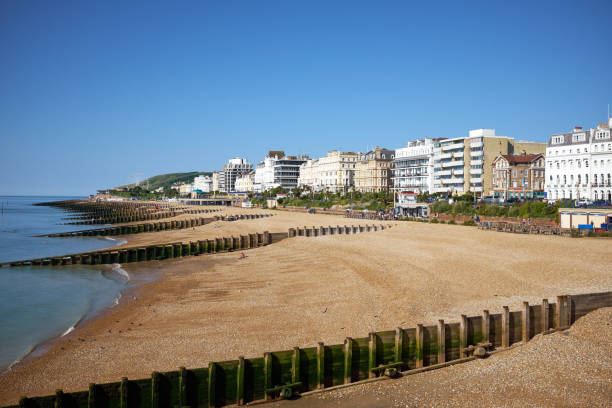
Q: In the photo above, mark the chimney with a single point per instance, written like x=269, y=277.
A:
x=577, y=128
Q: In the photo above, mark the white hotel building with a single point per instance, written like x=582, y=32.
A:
x=579, y=164
x=414, y=167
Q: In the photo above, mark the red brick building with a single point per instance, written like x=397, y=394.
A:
x=518, y=176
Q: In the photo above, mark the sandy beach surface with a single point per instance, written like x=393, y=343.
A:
x=304, y=290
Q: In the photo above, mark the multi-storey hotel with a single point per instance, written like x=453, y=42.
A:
x=373, y=171
x=579, y=164
x=334, y=172
x=464, y=164
x=278, y=170
x=413, y=167
x=235, y=168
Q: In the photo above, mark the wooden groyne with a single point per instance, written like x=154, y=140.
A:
x=379, y=355
x=155, y=226
x=115, y=212
x=179, y=249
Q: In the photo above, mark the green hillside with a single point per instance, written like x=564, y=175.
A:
x=166, y=180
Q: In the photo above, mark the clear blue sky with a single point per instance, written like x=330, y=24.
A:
x=93, y=93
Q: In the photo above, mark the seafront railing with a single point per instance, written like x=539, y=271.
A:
x=380, y=355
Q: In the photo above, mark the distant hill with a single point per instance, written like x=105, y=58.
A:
x=166, y=180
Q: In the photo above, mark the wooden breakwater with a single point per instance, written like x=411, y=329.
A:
x=114, y=212
x=334, y=230
x=157, y=252
x=380, y=355
x=155, y=226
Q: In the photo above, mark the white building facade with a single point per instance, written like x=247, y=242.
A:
x=235, y=168
x=203, y=183
x=579, y=164
x=246, y=183
x=414, y=167
x=278, y=170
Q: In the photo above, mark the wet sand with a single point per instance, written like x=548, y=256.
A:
x=304, y=290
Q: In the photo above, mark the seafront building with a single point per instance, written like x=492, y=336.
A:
x=373, y=171
x=334, y=172
x=464, y=164
x=413, y=166
x=203, y=183
x=246, y=183
x=278, y=170
x=579, y=164
x=215, y=181
x=234, y=168
x=518, y=176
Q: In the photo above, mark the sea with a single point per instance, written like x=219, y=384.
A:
x=40, y=303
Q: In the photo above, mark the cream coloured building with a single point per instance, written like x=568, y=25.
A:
x=373, y=170
x=334, y=172
x=464, y=164
x=246, y=183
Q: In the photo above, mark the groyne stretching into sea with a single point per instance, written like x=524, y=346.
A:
x=302, y=371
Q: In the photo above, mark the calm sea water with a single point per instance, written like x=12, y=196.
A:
x=38, y=302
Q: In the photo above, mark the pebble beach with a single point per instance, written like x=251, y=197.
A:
x=303, y=290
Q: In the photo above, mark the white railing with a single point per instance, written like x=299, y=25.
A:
x=452, y=146
x=476, y=162
x=475, y=171
x=453, y=163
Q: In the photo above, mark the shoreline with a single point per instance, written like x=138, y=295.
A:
x=189, y=311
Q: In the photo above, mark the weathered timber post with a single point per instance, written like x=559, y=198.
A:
x=399, y=344
x=267, y=372
x=212, y=387
x=463, y=336
x=525, y=322
x=59, y=399
x=291, y=232
x=562, y=312
x=154, y=390
x=441, y=341
x=91, y=396
x=183, y=387
x=544, y=316
x=295, y=365
x=486, y=327
x=267, y=238
x=348, y=360
x=419, y=346
x=321, y=365
x=123, y=393
x=506, y=327
x=371, y=354
x=240, y=381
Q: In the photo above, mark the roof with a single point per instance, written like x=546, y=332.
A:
x=521, y=158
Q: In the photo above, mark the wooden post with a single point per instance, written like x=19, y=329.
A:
x=506, y=327
x=372, y=355
x=441, y=341
x=211, y=385
x=240, y=381
x=155, y=389
x=59, y=399
x=419, y=346
x=267, y=373
x=486, y=327
x=348, y=360
x=544, y=316
x=295, y=365
x=525, y=322
x=562, y=312
x=123, y=393
x=91, y=397
x=321, y=365
x=399, y=344
x=463, y=336
x=182, y=387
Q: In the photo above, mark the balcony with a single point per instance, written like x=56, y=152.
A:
x=458, y=155
x=477, y=153
x=475, y=179
x=444, y=156
x=475, y=171
x=453, y=146
x=458, y=172
x=476, y=162
x=443, y=173
x=455, y=163
x=474, y=145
